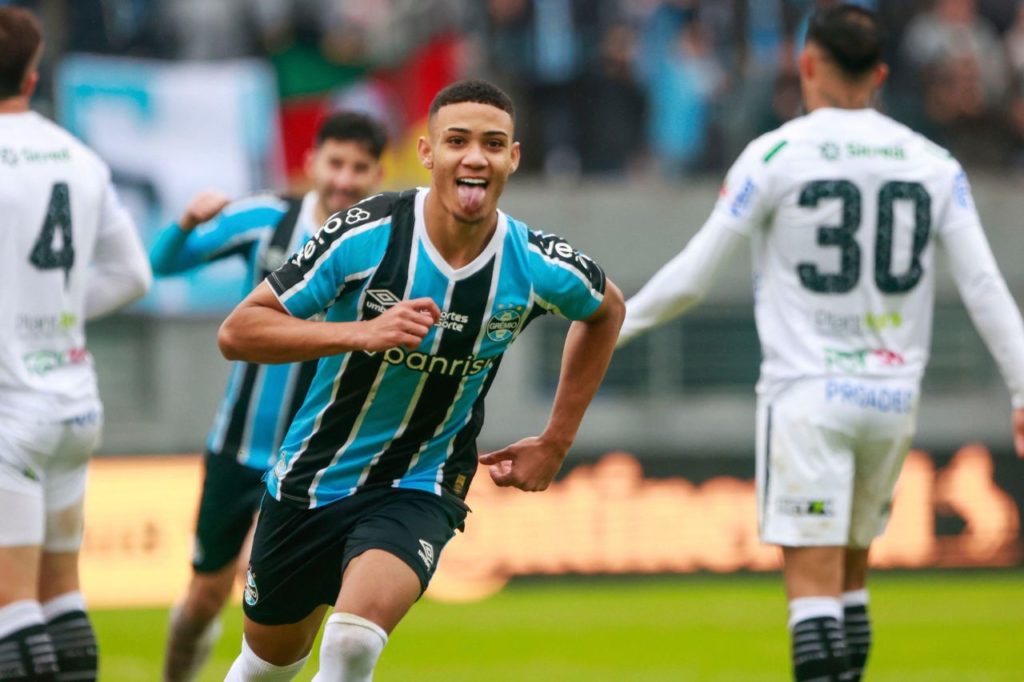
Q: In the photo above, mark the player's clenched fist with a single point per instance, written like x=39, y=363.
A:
x=204, y=206
x=404, y=324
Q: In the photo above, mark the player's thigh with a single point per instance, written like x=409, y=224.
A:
x=879, y=463
x=58, y=574
x=805, y=472
x=392, y=552
x=295, y=566
x=230, y=498
x=25, y=448
x=65, y=480
x=379, y=586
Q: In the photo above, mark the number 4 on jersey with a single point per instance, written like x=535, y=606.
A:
x=48, y=253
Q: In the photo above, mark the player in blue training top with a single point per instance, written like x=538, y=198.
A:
x=260, y=400
x=423, y=292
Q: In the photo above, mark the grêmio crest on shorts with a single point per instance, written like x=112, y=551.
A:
x=409, y=418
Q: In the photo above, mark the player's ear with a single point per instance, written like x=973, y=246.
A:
x=806, y=64
x=881, y=75
x=425, y=152
x=515, y=151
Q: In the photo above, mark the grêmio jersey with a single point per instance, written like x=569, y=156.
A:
x=844, y=209
x=60, y=216
x=260, y=400
x=409, y=418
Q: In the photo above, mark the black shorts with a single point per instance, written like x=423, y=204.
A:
x=299, y=555
x=230, y=499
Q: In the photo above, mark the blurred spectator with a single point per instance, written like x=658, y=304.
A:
x=612, y=115
x=681, y=94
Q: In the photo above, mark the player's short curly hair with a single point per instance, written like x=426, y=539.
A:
x=20, y=38
x=852, y=37
x=352, y=126
x=473, y=91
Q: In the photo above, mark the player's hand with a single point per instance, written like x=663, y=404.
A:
x=403, y=324
x=203, y=207
x=530, y=464
x=1018, y=431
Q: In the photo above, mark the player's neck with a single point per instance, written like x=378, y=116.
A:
x=14, y=105
x=838, y=98
x=458, y=242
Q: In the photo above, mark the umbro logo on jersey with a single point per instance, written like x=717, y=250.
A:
x=427, y=553
x=380, y=300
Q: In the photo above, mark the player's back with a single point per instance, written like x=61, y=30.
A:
x=53, y=190
x=844, y=272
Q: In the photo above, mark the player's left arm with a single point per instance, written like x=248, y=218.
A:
x=985, y=295
x=119, y=272
x=573, y=287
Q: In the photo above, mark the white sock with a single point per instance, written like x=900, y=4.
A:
x=20, y=615
x=249, y=667
x=350, y=648
x=65, y=603
x=805, y=608
x=855, y=597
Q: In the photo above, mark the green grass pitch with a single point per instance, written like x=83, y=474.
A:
x=929, y=627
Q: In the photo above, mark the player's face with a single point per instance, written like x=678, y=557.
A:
x=470, y=155
x=343, y=172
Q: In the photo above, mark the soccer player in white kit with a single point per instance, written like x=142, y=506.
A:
x=844, y=209
x=69, y=252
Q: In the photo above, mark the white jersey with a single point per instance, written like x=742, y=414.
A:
x=844, y=209
x=62, y=234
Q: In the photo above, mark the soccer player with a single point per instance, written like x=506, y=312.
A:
x=260, y=401
x=845, y=209
x=423, y=291
x=70, y=252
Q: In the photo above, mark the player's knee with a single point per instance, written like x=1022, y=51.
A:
x=352, y=644
x=207, y=595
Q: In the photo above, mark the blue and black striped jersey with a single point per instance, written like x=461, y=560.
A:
x=409, y=418
x=260, y=400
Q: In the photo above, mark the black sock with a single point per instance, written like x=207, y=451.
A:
x=819, y=654
x=28, y=654
x=75, y=642
x=857, y=625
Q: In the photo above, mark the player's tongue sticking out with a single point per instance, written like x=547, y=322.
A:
x=471, y=194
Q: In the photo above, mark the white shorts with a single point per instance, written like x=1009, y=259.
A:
x=42, y=479
x=829, y=451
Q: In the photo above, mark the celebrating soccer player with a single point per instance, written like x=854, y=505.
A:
x=844, y=208
x=260, y=401
x=70, y=253
x=423, y=291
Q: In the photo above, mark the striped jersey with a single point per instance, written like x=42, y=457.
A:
x=409, y=418
x=260, y=400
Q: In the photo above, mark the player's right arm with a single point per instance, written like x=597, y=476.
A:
x=180, y=247
x=985, y=295
x=261, y=330
x=273, y=324
x=684, y=281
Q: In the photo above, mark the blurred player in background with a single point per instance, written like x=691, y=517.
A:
x=423, y=291
x=260, y=401
x=844, y=208
x=70, y=253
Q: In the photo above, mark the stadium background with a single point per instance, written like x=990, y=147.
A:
x=629, y=112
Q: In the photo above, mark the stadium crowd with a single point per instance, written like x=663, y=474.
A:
x=607, y=87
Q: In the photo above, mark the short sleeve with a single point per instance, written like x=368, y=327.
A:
x=344, y=249
x=565, y=281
